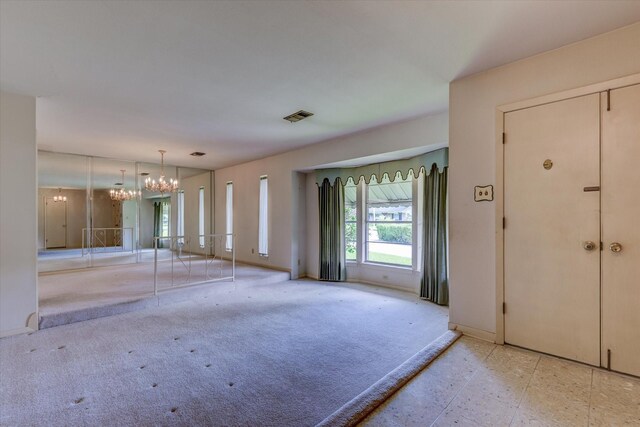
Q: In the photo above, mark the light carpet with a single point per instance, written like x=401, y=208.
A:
x=286, y=354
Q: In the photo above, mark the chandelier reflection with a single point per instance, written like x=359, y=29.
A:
x=120, y=194
x=161, y=186
x=59, y=197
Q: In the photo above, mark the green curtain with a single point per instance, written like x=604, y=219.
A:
x=157, y=221
x=332, y=255
x=434, y=285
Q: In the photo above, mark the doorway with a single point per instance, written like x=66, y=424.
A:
x=55, y=223
x=571, y=239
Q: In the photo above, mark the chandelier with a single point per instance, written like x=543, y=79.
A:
x=161, y=186
x=120, y=194
x=59, y=197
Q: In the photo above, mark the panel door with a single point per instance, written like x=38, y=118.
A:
x=621, y=224
x=551, y=282
x=55, y=224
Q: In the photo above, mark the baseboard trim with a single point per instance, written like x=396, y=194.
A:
x=255, y=264
x=356, y=410
x=17, y=331
x=473, y=332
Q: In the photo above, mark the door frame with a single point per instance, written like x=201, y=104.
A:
x=501, y=110
x=45, y=222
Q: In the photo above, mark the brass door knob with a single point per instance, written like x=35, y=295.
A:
x=615, y=247
x=589, y=246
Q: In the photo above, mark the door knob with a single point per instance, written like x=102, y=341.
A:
x=615, y=247
x=589, y=246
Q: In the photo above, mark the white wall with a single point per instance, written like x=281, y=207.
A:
x=429, y=131
x=18, y=218
x=473, y=145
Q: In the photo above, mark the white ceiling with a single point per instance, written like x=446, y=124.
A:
x=123, y=79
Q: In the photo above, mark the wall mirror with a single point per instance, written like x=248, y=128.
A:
x=95, y=211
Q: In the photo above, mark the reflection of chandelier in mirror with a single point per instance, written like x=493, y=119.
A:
x=59, y=197
x=161, y=185
x=120, y=193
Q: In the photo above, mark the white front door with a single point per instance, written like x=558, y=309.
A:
x=55, y=224
x=551, y=282
x=621, y=226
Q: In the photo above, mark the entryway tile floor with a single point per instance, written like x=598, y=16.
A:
x=476, y=383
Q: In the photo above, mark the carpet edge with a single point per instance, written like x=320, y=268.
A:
x=354, y=411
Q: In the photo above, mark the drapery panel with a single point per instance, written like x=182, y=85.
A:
x=434, y=285
x=332, y=255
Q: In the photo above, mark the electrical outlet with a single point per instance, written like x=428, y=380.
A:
x=483, y=193
x=252, y=250
x=385, y=277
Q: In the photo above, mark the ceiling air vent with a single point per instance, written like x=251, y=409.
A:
x=197, y=154
x=297, y=116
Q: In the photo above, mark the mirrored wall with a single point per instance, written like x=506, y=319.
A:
x=94, y=211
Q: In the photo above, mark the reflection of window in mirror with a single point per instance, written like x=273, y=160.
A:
x=180, y=222
x=166, y=219
x=201, y=216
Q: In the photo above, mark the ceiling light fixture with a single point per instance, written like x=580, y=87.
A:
x=120, y=194
x=59, y=197
x=161, y=186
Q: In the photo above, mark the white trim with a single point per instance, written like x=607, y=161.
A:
x=16, y=331
x=572, y=93
x=473, y=332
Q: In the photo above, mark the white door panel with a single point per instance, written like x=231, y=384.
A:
x=552, y=284
x=621, y=224
x=55, y=224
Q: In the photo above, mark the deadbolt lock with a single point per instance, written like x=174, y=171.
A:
x=615, y=247
x=589, y=246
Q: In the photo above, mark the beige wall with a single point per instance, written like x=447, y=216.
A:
x=18, y=217
x=288, y=194
x=473, y=145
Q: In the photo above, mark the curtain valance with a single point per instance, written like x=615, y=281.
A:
x=379, y=170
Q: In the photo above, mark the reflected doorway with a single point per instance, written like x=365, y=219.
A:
x=55, y=223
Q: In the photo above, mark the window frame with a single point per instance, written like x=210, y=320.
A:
x=229, y=216
x=366, y=222
x=263, y=217
x=356, y=222
x=362, y=229
x=201, y=217
x=180, y=216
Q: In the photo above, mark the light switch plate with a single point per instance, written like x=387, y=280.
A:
x=483, y=193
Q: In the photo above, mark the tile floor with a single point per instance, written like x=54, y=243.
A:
x=476, y=383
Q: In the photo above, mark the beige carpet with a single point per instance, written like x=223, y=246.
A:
x=286, y=354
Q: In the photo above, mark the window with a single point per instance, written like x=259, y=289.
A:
x=263, y=218
x=201, y=217
x=388, y=221
x=350, y=220
x=166, y=218
x=180, y=221
x=229, y=215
